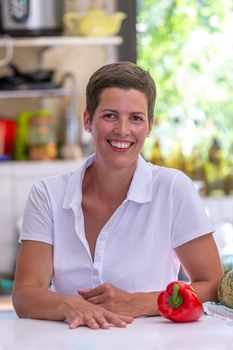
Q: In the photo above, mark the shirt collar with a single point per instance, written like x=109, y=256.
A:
x=140, y=189
x=73, y=193
x=141, y=186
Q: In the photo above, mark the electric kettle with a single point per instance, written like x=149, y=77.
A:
x=31, y=17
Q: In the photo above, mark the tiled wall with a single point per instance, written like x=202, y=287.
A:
x=16, y=180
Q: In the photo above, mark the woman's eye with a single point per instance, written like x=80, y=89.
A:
x=109, y=116
x=136, y=118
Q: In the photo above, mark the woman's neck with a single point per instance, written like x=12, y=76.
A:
x=108, y=184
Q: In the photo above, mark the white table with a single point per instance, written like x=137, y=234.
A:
x=154, y=333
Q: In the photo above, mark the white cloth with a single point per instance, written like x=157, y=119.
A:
x=219, y=310
x=135, y=249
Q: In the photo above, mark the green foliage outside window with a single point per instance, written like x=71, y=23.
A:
x=187, y=45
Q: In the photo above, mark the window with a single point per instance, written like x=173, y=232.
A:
x=188, y=48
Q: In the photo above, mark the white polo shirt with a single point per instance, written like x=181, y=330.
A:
x=135, y=249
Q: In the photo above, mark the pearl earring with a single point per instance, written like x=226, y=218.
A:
x=87, y=130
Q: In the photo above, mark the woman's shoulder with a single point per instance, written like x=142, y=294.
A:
x=167, y=174
x=63, y=184
x=170, y=178
x=56, y=185
x=56, y=180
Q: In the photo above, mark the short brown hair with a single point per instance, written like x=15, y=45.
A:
x=124, y=75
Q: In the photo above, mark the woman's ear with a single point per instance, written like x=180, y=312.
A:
x=86, y=121
x=151, y=124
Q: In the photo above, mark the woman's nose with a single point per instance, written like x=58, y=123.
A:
x=122, y=127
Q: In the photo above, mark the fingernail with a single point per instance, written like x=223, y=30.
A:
x=105, y=325
x=95, y=326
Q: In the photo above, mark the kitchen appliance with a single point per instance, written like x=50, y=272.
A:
x=19, y=80
x=31, y=17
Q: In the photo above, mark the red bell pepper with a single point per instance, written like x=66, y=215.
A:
x=180, y=303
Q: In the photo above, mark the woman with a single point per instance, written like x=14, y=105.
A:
x=112, y=234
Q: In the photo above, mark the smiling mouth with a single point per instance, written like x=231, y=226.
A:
x=121, y=145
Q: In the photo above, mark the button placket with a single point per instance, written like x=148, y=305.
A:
x=101, y=240
x=79, y=228
x=99, y=250
x=96, y=277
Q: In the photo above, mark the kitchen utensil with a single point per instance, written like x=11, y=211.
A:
x=18, y=80
x=37, y=75
x=96, y=22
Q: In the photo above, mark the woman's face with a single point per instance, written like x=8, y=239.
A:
x=119, y=126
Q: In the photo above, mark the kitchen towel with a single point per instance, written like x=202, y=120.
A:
x=218, y=310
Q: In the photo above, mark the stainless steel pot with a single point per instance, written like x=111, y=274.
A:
x=31, y=17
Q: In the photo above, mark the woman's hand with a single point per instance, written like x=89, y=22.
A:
x=79, y=312
x=119, y=301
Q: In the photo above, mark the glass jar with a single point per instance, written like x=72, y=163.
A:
x=42, y=136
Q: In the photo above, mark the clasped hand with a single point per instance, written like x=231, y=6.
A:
x=112, y=299
x=79, y=312
x=104, y=305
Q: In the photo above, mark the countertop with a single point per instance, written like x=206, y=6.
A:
x=152, y=333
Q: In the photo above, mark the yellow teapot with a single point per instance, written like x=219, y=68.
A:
x=96, y=22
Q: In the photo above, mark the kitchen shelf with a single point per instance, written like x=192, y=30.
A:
x=61, y=41
x=9, y=43
x=58, y=91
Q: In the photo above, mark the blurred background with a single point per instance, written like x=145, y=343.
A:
x=48, y=49
x=188, y=48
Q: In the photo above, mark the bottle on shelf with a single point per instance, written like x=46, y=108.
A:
x=194, y=168
x=42, y=136
x=156, y=156
x=215, y=169
x=176, y=159
x=229, y=173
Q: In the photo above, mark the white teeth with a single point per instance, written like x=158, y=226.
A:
x=118, y=144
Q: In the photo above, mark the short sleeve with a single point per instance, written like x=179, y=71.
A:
x=190, y=219
x=38, y=219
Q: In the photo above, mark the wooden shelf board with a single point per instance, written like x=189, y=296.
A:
x=61, y=41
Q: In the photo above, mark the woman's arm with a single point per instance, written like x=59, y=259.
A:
x=32, y=299
x=199, y=258
x=201, y=261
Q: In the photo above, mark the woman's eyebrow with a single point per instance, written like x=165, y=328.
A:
x=138, y=113
x=108, y=110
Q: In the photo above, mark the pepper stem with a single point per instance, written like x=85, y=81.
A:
x=175, y=300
